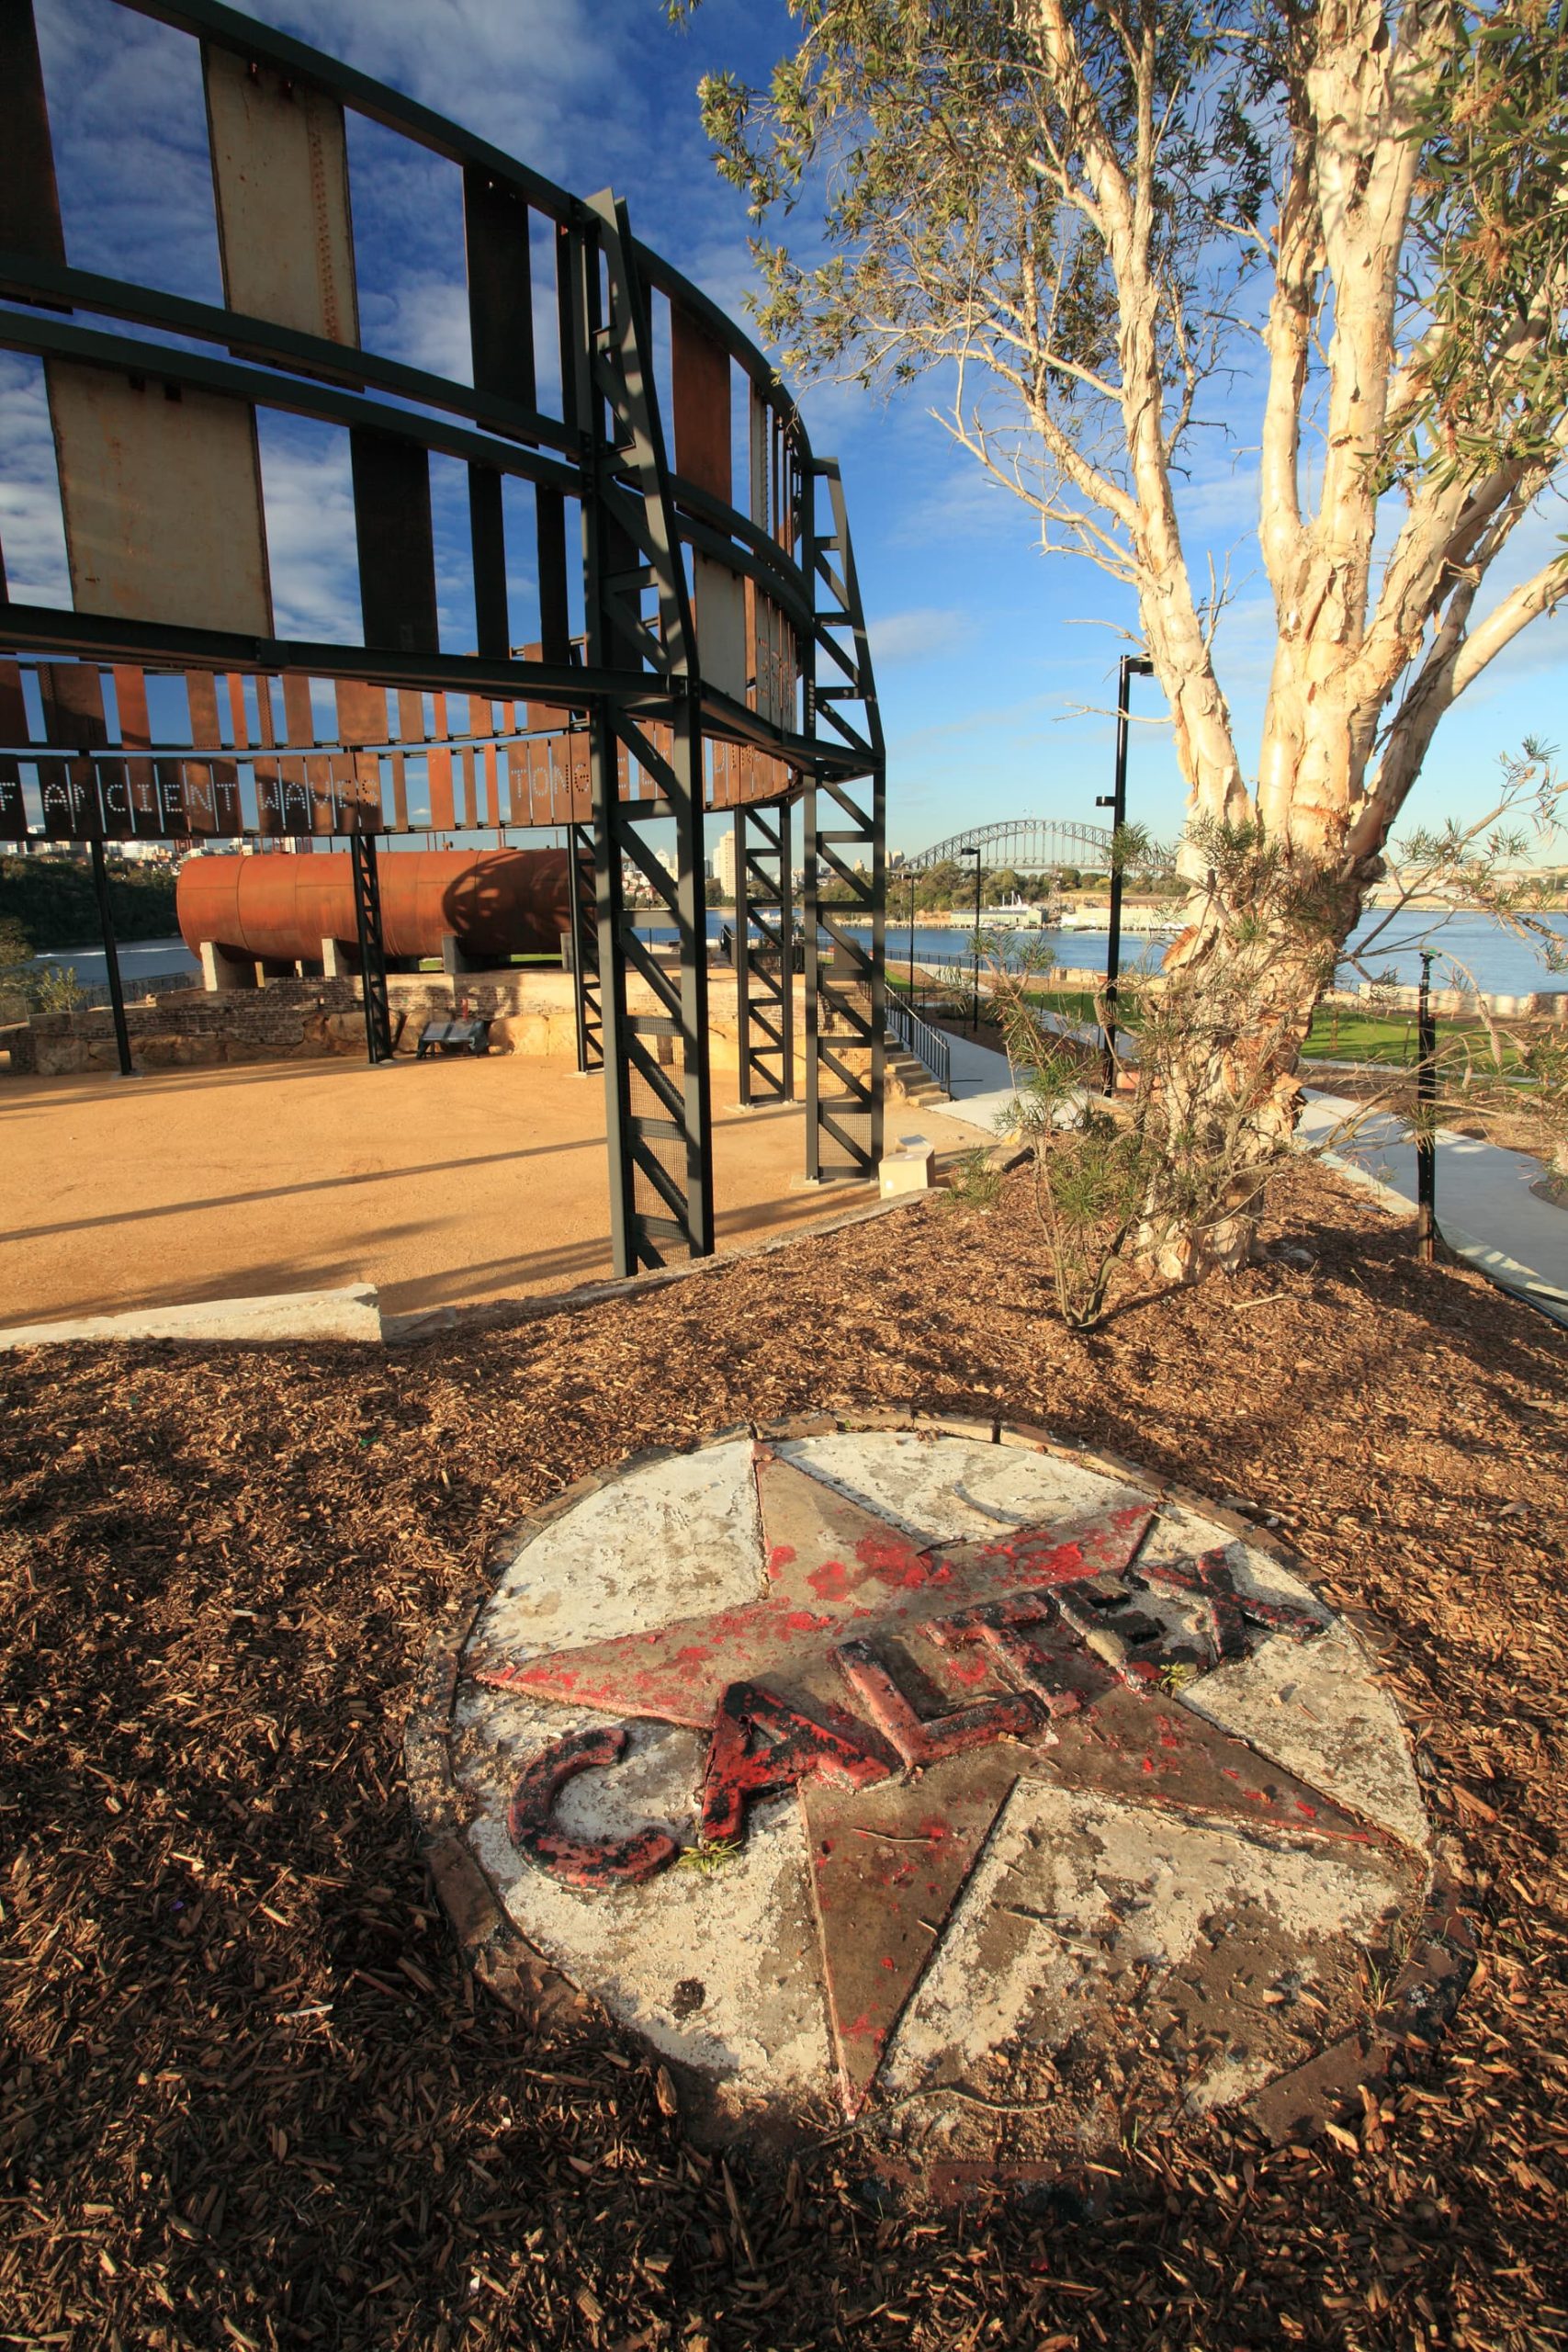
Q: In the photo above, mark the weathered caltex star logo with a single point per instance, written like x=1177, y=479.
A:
x=901, y=1692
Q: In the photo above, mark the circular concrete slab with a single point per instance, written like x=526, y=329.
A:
x=940, y=1788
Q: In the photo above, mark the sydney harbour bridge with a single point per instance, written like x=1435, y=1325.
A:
x=1026, y=844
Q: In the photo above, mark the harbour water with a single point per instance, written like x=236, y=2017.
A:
x=1468, y=947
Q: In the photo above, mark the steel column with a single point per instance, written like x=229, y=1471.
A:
x=372, y=953
x=764, y=980
x=581, y=892
x=1132, y=666
x=656, y=1062
x=111, y=957
x=1426, y=1098
x=846, y=1040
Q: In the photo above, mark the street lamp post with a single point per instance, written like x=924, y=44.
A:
x=1132, y=666
x=974, y=990
x=912, y=942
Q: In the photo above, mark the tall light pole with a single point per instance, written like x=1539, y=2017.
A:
x=1132, y=666
x=911, y=941
x=974, y=994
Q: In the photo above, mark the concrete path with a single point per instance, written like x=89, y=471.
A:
x=1487, y=1212
x=1485, y=1209
x=982, y=1084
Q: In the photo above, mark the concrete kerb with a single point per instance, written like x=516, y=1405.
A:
x=354, y=1314
x=1504, y=1274
x=1335, y=2082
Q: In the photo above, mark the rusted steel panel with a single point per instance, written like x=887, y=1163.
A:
x=759, y=415
x=114, y=811
x=550, y=528
x=212, y=788
x=280, y=178
x=29, y=203
x=496, y=902
x=267, y=777
x=438, y=771
x=367, y=791
x=14, y=728
x=72, y=698
x=299, y=717
x=318, y=789
x=396, y=548
x=201, y=702
x=487, y=533
x=722, y=774
x=721, y=605
x=774, y=659
x=139, y=459
x=361, y=711
x=500, y=291
x=699, y=368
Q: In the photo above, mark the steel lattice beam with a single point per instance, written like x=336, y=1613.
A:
x=846, y=883
x=764, y=956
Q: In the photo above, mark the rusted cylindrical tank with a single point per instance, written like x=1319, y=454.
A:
x=495, y=902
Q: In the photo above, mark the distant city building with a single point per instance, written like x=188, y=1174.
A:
x=723, y=865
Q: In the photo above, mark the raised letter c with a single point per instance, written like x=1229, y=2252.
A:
x=592, y=1864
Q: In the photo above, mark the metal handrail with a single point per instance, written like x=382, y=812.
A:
x=917, y=1038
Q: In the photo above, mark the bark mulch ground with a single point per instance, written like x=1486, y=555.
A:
x=247, y=2097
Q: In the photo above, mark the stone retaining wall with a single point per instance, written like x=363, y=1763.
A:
x=292, y=1019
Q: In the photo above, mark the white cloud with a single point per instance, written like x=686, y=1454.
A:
x=308, y=497
x=32, y=534
x=918, y=636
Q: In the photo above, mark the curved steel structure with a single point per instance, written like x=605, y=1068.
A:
x=694, y=642
x=492, y=902
x=1030, y=844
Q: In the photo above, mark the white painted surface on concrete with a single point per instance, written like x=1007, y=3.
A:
x=1311, y=1705
x=675, y=1538
x=348, y=1314
x=1118, y=1888
x=714, y=1968
x=954, y=1490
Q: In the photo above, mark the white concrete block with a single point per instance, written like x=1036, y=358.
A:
x=350, y=1314
x=907, y=1171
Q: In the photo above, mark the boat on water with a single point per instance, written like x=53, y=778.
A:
x=1014, y=914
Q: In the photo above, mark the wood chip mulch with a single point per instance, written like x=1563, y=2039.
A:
x=247, y=2096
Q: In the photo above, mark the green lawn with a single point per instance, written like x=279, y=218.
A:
x=1341, y=1035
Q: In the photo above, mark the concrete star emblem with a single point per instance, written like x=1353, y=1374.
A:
x=900, y=1692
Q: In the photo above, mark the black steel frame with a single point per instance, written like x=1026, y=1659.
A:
x=372, y=951
x=1131, y=665
x=637, y=690
x=582, y=904
x=846, y=1043
x=764, y=955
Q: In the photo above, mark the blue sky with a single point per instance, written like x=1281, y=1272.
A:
x=995, y=664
